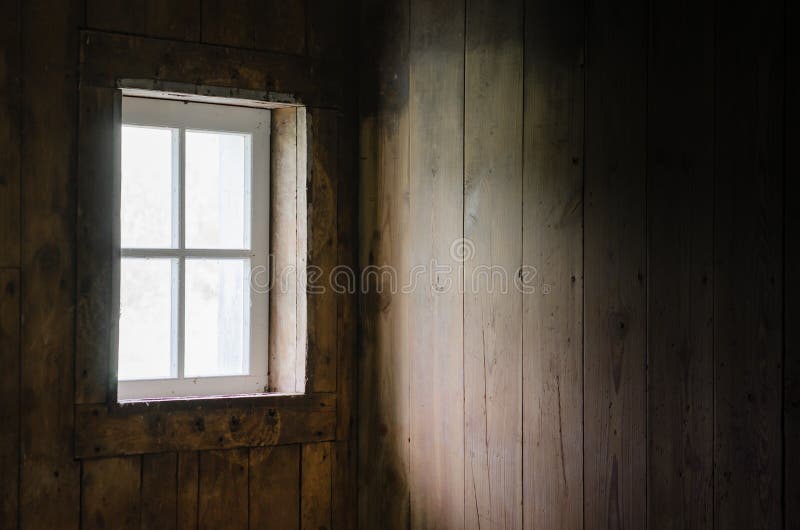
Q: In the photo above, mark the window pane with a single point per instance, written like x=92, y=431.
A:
x=146, y=318
x=147, y=187
x=217, y=190
x=217, y=317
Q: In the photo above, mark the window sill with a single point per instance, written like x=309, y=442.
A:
x=183, y=424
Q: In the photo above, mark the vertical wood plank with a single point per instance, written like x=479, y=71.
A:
x=110, y=493
x=159, y=491
x=322, y=300
x=95, y=242
x=222, y=494
x=383, y=411
x=493, y=251
x=791, y=356
x=10, y=115
x=9, y=395
x=188, y=485
x=344, y=486
x=680, y=242
x=748, y=274
x=324, y=21
x=275, y=487
x=436, y=113
x=553, y=258
x=50, y=477
x=315, y=488
x=171, y=19
x=274, y=25
x=614, y=267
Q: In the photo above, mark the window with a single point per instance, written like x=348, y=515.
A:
x=194, y=233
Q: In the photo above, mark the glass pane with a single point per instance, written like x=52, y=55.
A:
x=147, y=187
x=217, y=190
x=217, y=317
x=146, y=318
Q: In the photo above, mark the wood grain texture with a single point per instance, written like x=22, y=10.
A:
x=552, y=281
x=680, y=246
x=10, y=116
x=9, y=395
x=322, y=251
x=791, y=356
x=222, y=492
x=492, y=232
x=275, y=487
x=748, y=269
x=50, y=477
x=96, y=148
x=344, y=493
x=384, y=369
x=188, y=484
x=308, y=80
x=159, y=501
x=315, y=487
x=436, y=216
x=614, y=268
x=110, y=494
x=171, y=19
x=274, y=25
x=165, y=427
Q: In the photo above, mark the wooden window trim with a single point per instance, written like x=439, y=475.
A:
x=104, y=427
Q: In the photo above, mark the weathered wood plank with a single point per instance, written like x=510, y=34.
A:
x=552, y=281
x=163, y=427
x=171, y=19
x=315, y=487
x=614, y=267
x=222, y=494
x=272, y=25
x=384, y=371
x=309, y=81
x=322, y=252
x=110, y=494
x=344, y=489
x=10, y=133
x=159, y=491
x=50, y=477
x=680, y=245
x=9, y=395
x=275, y=487
x=748, y=246
x=96, y=150
x=436, y=107
x=325, y=19
x=493, y=250
x=188, y=484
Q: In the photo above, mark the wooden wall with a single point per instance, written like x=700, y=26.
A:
x=629, y=163
x=44, y=486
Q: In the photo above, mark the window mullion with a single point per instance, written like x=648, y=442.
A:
x=182, y=246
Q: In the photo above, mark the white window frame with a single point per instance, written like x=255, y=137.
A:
x=183, y=115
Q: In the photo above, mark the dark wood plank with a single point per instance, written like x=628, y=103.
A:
x=275, y=488
x=171, y=19
x=791, y=356
x=614, y=267
x=436, y=217
x=10, y=134
x=96, y=145
x=50, y=477
x=552, y=280
x=325, y=19
x=748, y=271
x=188, y=484
x=493, y=249
x=315, y=487
x=159, y=491
x=9, y=395
x=322, y=251
x=156, y=428
x=384, y=369
x=307, y=80
x=222, y=494
x=274, y=25
x=344, y=489
x=680, y=242
x=110, y=494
